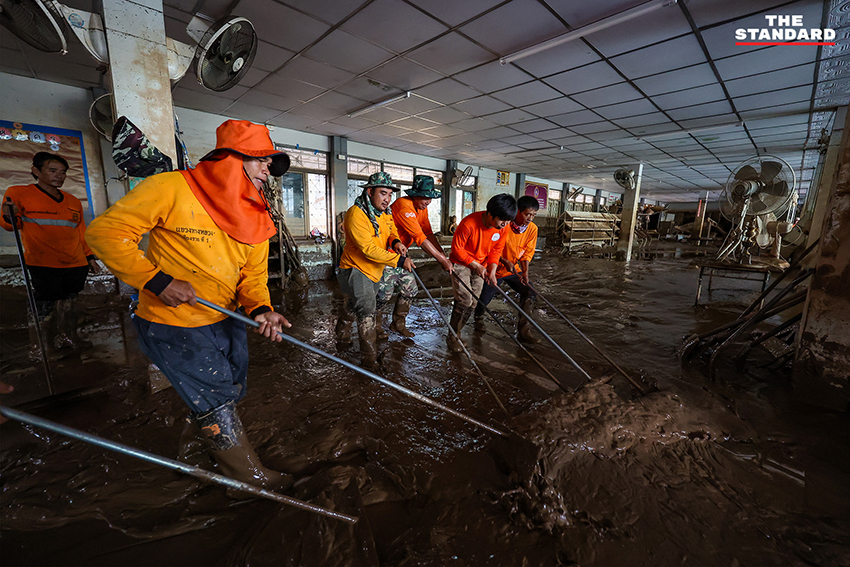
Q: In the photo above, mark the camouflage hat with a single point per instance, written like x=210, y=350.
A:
x=381, y=179
x=133, y=152
x=423, y=186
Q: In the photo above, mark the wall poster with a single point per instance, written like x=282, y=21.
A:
x=539, y=191
x=19, y=142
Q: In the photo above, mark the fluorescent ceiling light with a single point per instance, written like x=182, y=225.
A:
x=623, y=16
x=702, y=130
x=372, y=107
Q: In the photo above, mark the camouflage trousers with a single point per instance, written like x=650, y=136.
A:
x=396, y=279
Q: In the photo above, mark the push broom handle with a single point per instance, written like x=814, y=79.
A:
x=169, y=463
x=364, y=372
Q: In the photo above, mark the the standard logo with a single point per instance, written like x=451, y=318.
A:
x=784, y=30
x=495, y=237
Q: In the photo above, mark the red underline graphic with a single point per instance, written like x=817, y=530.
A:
x=785, y=43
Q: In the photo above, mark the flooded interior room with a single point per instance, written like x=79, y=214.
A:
x=425, y=282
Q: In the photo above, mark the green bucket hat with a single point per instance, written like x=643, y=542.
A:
x=381, y=179
x=423, y=186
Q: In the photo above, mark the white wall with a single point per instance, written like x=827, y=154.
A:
x=42, y=103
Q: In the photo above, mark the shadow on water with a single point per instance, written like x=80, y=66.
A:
x=697, y=472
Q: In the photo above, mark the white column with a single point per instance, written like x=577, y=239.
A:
x=628, y=218
x=138, y=69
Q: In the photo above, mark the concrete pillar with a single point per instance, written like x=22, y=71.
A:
x=822, y=364
x=520, y=185
x=597, y=201
x=450, y=198
x=699, y=221
x=138, y=69
x=821, y=199
x=338, y=174
x=628, y=218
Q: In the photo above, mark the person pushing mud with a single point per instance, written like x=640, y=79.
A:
x=209, y=230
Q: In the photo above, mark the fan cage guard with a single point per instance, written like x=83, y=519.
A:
x=37, y=23
x=215, y=67
x=729, y=205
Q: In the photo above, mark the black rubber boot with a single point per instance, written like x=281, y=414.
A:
x=232, y=451
x=455, y=323
x=523, y=327
x=399, y=324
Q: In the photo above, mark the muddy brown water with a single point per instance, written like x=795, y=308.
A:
x=698, y=472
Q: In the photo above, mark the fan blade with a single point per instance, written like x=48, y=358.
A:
x=776, y=189
x=747, y=173
x=757, y=204
x=769, y=170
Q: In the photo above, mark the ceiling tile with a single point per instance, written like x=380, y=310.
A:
x=348, y=52
x=530, y=126
x=636, y=122
x=510, y=37
x=414, y=104
x=700, y=110
x=661, y=83
x=572, y=118
x=320, y=74
x=404, y=74
x=608, y=95
x=528, y=93
x=330, y=12
x=281, y=25
x=656, y=26
x=585, y=78
x=450, y=54
x=775, y=80
x=474, y=124
x=775, y=98
x=492, y=77
x=414, y=123
x=269, y=56
x=510, y=116
x=288, y=88
x=689, y=97
x=447, y=91
x=480, y=106
x=680, y=52
x=558, y=59
x=259, y=114
x=765, y=60
x=337, y=102
x=444, y=115
x=401, y=25
x=554, y=107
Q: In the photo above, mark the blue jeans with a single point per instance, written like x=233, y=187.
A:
x=208, y=366
x=489, y=291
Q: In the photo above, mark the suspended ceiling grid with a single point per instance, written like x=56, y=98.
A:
x=574, y=113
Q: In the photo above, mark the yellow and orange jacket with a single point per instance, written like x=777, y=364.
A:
x=185, y=244
x=518, y=247
x=52, y=232
x=412, y=225
x=365, y=251
x=473, y=241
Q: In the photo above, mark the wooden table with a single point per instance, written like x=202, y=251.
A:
x=752, y=272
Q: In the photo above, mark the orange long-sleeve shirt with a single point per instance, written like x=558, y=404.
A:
x=518, y=247
x=52, y=232
x=365, y=251
x=412, y=225
x=473, y=241
x=184, y=243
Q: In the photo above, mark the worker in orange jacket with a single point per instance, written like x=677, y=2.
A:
x=410, y=215
x=55, y=250
x=520, y=243
x=476, y=248
x=209, y=230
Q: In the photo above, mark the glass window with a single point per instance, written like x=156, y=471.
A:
x=399, y=173
x=306, y=159
x=292, y=185
x=317, y=191
x=435, y=209
x=362, y=167
x=354, y=190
